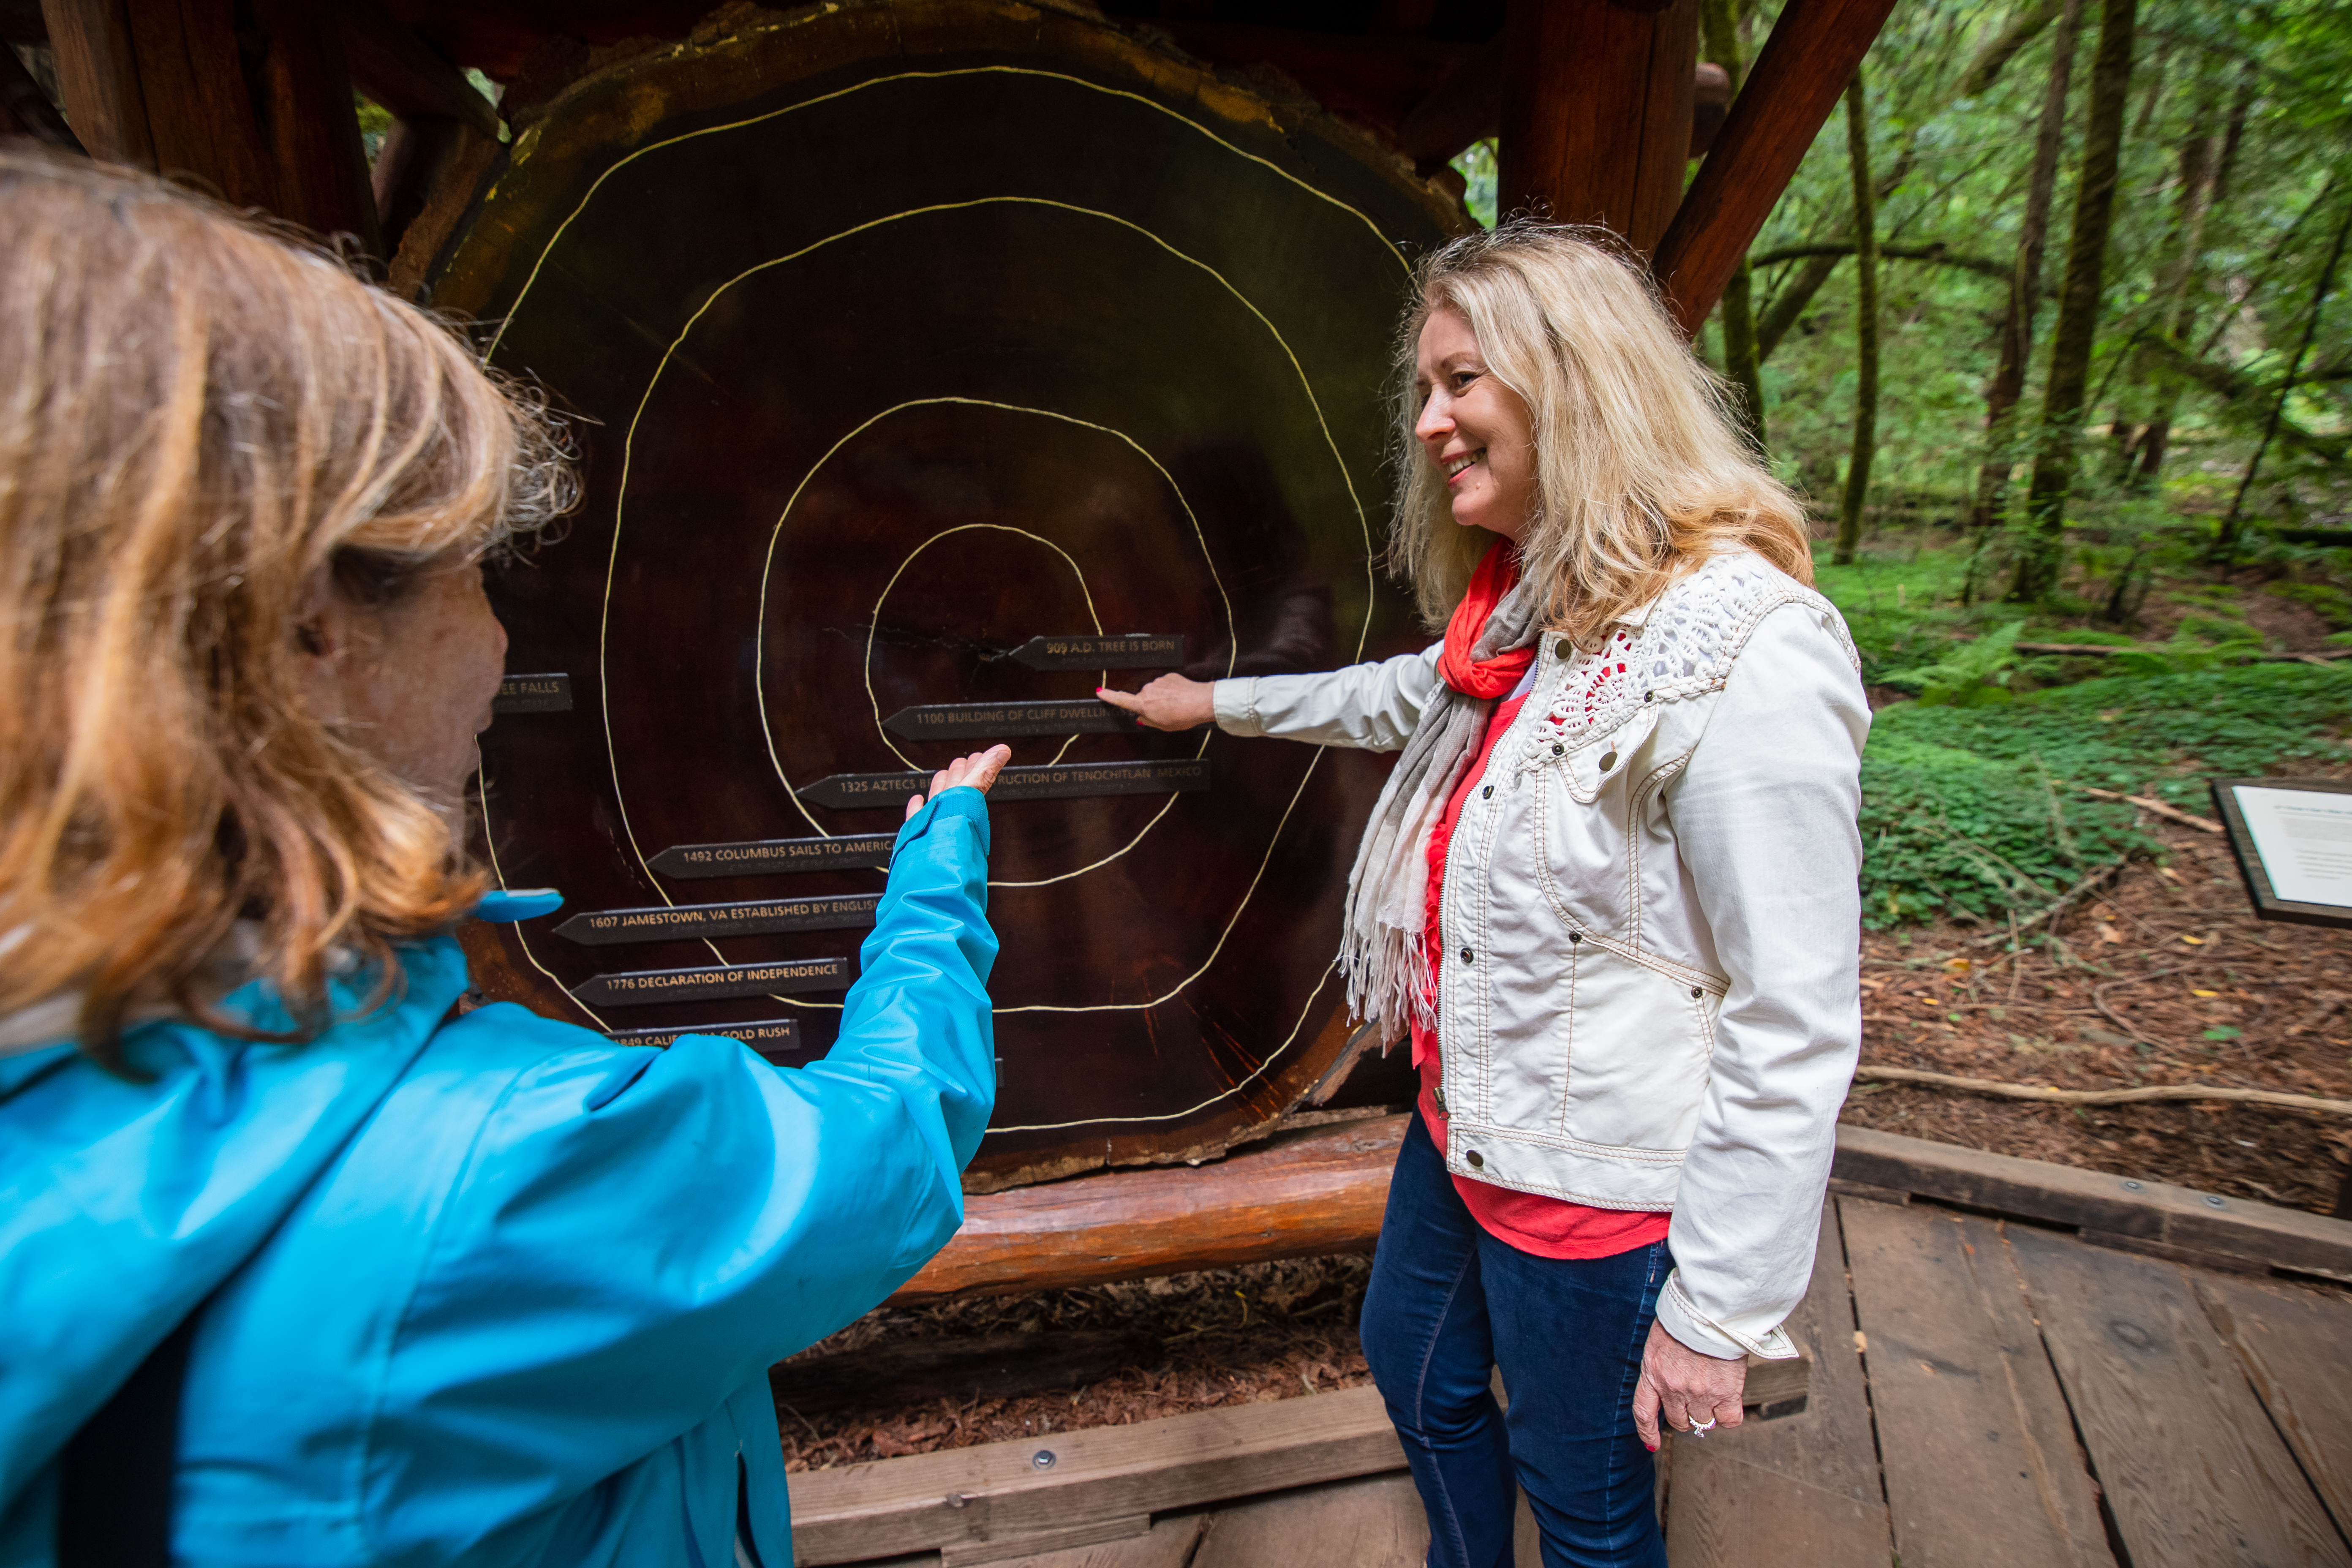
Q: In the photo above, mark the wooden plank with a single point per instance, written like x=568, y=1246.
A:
x=1801, y=1490
x=1789, y=93
x=1727, y=1514
x=2181, y=1218
x=97, y=75
x=999, y=1492
x=1829, y=1444
x=1170, y=1545
x=1597, y=112
x=1052, y=1542
x=1301, y=1194
x=1372, y=1523
x=1978, y=1449
x=2192, y=1470
x=2296, y=1345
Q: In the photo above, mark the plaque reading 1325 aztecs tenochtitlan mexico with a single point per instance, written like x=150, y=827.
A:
x=938, y=362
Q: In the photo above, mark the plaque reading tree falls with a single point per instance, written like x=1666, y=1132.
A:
x=939, y=374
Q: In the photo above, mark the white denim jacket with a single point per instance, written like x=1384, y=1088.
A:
x=1652, y=920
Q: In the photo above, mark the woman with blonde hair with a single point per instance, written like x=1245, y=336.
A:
x=1610, y=892
x=301, y=1262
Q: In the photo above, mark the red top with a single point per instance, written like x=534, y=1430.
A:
x=1548, y=1227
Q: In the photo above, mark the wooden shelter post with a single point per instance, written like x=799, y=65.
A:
x=1597, y=111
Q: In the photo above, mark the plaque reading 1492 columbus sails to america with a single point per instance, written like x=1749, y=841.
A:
x=937, y=366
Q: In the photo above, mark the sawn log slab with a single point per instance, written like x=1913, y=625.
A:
x=1303, y=1195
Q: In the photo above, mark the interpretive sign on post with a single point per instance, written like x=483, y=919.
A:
x=2293, y=838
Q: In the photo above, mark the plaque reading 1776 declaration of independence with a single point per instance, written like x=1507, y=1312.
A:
x=856, y=454
x=672, y=922
x=636, y=988
x=1008, y=720
x=1073, y=781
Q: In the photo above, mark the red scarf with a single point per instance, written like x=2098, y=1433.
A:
x=1497, y=574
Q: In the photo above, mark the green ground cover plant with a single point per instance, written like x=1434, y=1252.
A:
x=1969, y=810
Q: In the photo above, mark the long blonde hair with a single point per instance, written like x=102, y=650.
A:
x=196, y=415
x=1639, y=471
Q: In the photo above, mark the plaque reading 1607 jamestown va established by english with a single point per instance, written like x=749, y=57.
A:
x=1069, y=781
x=674, y=922
x=636, y=988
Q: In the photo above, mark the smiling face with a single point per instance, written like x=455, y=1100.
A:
x=1474, y=429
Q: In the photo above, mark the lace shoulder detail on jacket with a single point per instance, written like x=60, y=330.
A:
x=1687, y=646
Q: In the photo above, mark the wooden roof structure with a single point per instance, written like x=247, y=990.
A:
x=1599, y=104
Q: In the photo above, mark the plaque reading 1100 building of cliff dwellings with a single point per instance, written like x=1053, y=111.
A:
x=936, y=375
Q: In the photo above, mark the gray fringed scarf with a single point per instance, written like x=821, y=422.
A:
x=1382, y=952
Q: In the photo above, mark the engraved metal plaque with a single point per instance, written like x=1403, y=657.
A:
x=1067, y=780
x=772, y=1040
x=989, y=721
x=636, y=988
x=533, y=694
x=764, y=856
x=1138, y=650
x=672, y=922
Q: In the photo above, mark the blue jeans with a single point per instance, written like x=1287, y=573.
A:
x=1447, y=1304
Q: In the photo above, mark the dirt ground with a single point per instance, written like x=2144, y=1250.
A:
x=2164, y=977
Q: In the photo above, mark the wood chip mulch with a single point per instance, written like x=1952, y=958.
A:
x=2165, y=978
x=1227, y=1336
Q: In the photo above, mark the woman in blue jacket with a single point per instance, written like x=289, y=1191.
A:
x=420, y=1288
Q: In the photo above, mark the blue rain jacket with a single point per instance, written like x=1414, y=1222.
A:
x=490, y=1291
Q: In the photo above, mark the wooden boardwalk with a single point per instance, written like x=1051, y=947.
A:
x=1984, y=1391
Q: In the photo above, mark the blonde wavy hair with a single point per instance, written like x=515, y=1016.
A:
x=197, y=414
x=1640, y=472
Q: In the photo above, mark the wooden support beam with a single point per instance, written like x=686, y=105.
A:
x=98, y=77
x=1795, y=82
x=1597, y=114
x=399, y=70
x=1302, y=1195
x=310, y=123
x=262, y=116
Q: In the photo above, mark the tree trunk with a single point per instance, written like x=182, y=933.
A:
x=1865, y=327
x=2215, y=177
x=2078, y=303
x=1983, y=72
x=2025, y=282
x=1719, y=25
x=2225, y=540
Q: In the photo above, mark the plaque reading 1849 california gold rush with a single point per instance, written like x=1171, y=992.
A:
x=637, y=988
x=762, y=857
x=989, y=721
x=1067, y=780
x=773, y=1039
x=673, y=923
x=1137, y=651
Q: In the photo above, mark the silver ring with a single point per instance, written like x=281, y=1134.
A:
x=1701, y=1428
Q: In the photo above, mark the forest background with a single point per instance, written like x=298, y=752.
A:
x=2043, y=330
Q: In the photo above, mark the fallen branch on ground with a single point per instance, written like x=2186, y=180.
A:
x=2017, y=928
x=2176, y=1091
x=2149, y=804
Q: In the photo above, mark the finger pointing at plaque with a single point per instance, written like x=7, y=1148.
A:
x=979, y=771
x=1171, y=702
